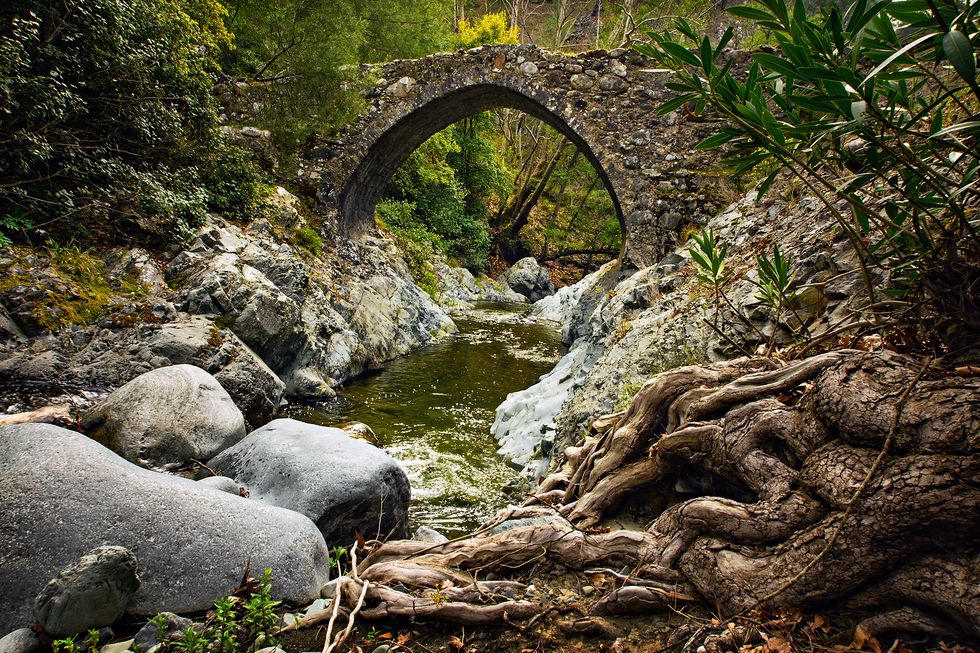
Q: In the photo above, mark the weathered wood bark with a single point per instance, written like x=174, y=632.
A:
x=783, y=452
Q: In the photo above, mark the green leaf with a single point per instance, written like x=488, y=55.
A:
x=716, y=140
x=678, y=51
x=772, y=62
x=707, y=53
x=958, y=50
x=969, y=127
x=766, y=184
x=751, y=13
x=671, y=105
x=723, y=41
x=900, y=53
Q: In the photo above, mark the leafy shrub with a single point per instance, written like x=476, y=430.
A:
x=873, y=108
x=488, y=29
x=108, y=118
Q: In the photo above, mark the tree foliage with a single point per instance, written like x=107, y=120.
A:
x=317, y=46
x=440, y=192
x=875, y=109
x=502, y=184
x=488, y=29
x=107, y=115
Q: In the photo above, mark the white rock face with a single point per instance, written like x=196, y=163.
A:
x=526, y=418
x=561, y=306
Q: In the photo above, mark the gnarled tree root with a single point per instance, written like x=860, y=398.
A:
x=782, y=453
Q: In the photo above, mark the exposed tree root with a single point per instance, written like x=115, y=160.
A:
x=841, y=481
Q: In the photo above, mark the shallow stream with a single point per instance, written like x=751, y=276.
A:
x=433, y=411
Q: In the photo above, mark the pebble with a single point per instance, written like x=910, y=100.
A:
x=118, y=647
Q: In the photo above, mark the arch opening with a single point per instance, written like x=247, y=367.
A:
x=367, y=183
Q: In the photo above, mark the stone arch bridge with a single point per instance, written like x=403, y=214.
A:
x=605, y=102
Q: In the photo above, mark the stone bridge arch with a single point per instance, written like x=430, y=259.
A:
x=604, y=102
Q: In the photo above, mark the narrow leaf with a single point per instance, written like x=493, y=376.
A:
x=958, y=50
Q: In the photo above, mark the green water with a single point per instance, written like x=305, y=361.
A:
x=433, y=411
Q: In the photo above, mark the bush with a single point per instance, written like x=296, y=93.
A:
x=488, y=29
x=873, y=109
x=309, y=239
x=108, y=118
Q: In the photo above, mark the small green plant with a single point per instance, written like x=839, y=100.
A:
x=437, y=596
x=91, y=642
x=11, y=223
x=259, y=611
x=337, y=556
x=65, y=645
x=191, y=642
x=308, y=239
x=626, y=393
x=775, y=287
x=238, y=623
x=225, y=624
x=709, y=254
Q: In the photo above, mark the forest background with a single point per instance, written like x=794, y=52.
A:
x=114, y=130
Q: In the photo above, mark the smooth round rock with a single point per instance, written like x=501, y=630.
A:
x=167, y=417
x=343, y=485
x=91, y=593
x=222, y=483
x=426, y=534
x=64, y=494
x=22, y=640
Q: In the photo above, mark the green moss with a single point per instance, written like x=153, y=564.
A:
x=75, y=288
x=308, y=239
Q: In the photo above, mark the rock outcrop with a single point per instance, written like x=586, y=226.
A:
x=64, y=494
x=528, y=278
x=342, y=484
x=167, y=418
x=460, y=290
x=268, y=320
x=315, y=324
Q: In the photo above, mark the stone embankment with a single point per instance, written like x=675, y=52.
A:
x=266, y=318
x=625, y=325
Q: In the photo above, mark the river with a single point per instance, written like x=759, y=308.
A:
x=433, y=410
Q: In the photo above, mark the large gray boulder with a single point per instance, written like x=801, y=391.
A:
x=167, y=417
x=63, y=494
x=528, y=278
x=91, y=593
x=342, y=484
